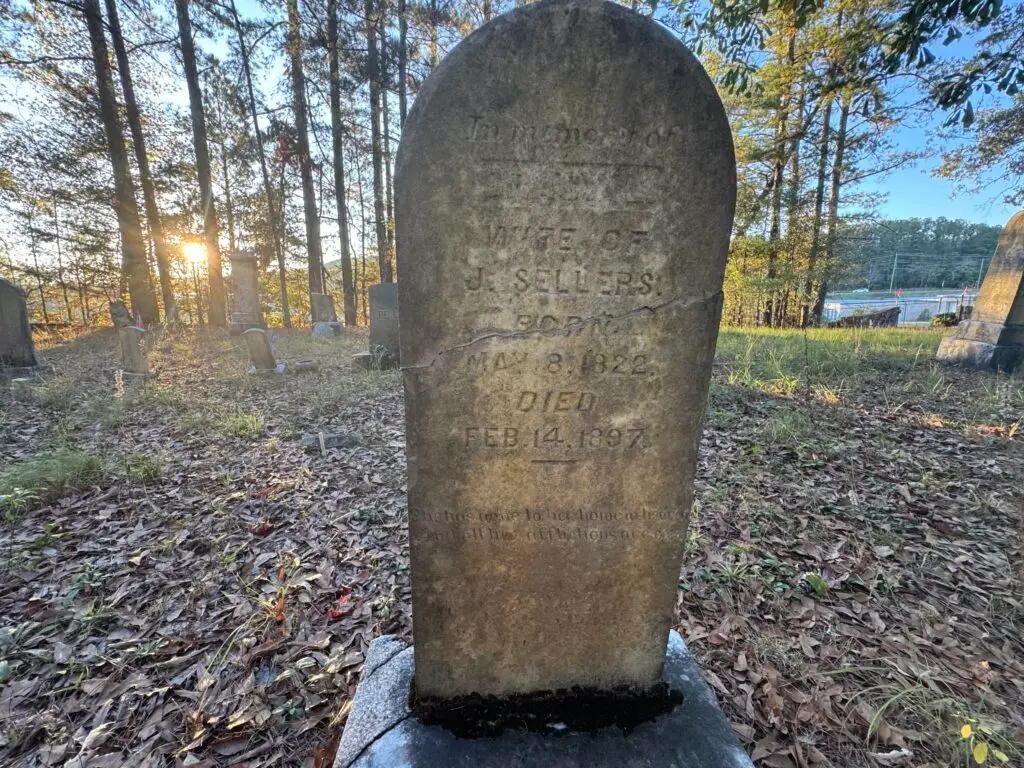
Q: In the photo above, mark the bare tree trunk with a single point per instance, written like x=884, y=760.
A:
x=316, y=269
x=816, y=220
x=385, y=82
x=833, y=206
x=362, y=239
x=338, y=150
x=134, y=265
x=403, y=45
x=383, y=252
x=156, y=230
x=778, y=174
x=60, y=262
x=272, y=218
x=211, y=227
x=35, y=264
x=229, y=208
x=793, y=218
x=434, y=56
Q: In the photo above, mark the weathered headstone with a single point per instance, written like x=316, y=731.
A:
x=120, y=317
x=134, y=357
x=565, y=189
x=16, y=349
x=993, y=337
x=261, y=354
x=322, y=308
x=384, y=318
x=564, y=194
x=245, y=293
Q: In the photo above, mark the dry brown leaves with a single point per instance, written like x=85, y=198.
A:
x=217, y=614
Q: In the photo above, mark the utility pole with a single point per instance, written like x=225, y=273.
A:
x=981, y=270
x=895, y=260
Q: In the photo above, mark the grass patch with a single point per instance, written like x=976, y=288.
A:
x=144, y=467
x=778, y=361
x=27, y=482
x=242, y=425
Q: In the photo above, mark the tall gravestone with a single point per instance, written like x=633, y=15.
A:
x=384, y=319
x=321, y=308
x=994, y=335
x=245, y=293
x=16, y=349
x=564, y=194
x=134, y=353
x=564, y=197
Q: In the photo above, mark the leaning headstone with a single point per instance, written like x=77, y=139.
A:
x=16, y=349
x=993, y=337
x=245, y=293
x=261, y=354
x=322, y=308
x=120, y=317
x=134, y=357
x=564, y=191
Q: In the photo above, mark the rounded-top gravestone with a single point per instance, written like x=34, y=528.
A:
x=564, y=190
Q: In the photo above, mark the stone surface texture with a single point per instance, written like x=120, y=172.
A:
x=261, y=354
x=245, y=293
x=322, y=308
x=326, y=329
x=16, y=349
x=994, y=336
x=134, y=357
x=381, y=732
x=564, y=190
x=120, y=317
x=384, y=320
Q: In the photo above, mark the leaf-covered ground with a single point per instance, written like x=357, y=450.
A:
x=182, y=583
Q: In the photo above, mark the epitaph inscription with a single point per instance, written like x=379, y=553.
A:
x=564, y=196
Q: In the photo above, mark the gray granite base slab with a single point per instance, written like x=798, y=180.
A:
x=382, y=733
x=979, y=354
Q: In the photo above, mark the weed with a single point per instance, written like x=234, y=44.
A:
x=778, y=651
x=44, y=478
x=17, y=500
x=143, y=467
x=242, y=425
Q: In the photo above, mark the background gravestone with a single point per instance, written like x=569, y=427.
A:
x=322, y=308
x=133, y=350
x=564, y=194
x=994, y=335
x=261, y=354
x=16, y=349
x=245, y=293
x=384, y=318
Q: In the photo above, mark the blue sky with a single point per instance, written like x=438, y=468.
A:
x=915, y=192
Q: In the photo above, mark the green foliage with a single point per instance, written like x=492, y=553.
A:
x=927, y=253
